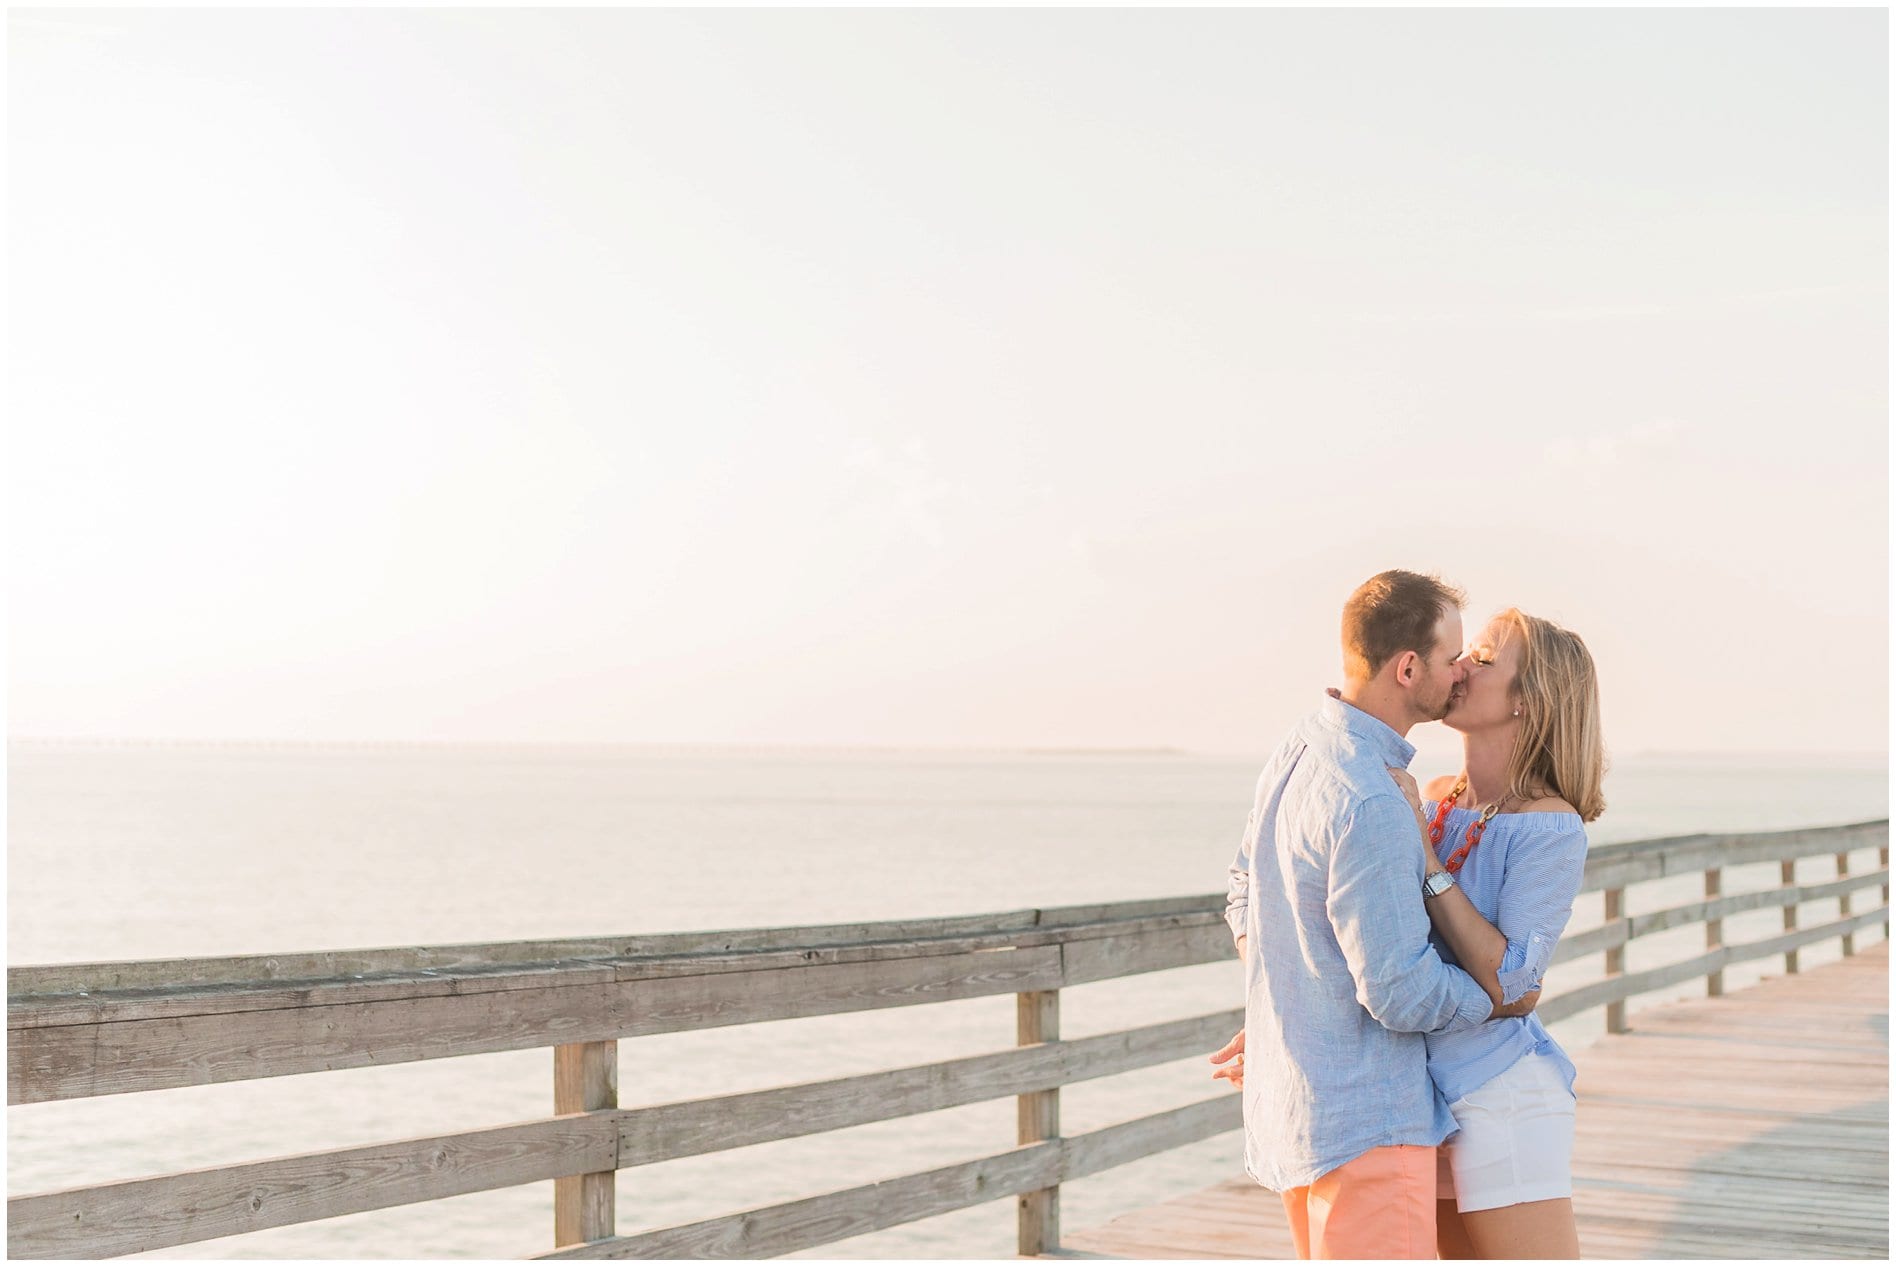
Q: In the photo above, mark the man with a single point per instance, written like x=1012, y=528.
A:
x=1325, y=903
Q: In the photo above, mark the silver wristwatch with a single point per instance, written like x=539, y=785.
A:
x=1437, y=884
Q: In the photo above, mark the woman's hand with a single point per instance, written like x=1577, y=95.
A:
x=1412, y=794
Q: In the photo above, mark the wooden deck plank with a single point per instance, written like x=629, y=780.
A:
x=1755, y=1125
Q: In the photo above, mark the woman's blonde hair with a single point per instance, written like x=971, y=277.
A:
x=1560, y=748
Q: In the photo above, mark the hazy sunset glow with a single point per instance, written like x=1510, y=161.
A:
x=964, y=378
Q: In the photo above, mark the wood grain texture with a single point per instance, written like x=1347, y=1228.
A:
x=62, y=1062
x=1714, y=929
x=1111, y=1146
x=105, y=1058
x=1616, y=866
x=331, y=965
x=1037, y=1114
x=202, y=1021
x=585, y=1080
x=1125, y=954
x=1613, y=991
x=69, y=1008
x=1681, y=1150
x=1843, y=902
x=1620, y=931
x=1787, y=874
x=833, y=1216
x=105, y=1220
x=231, y=982
x=667, y=1131
x=1608, y=866
x=781, y=1229
x=163, y=1211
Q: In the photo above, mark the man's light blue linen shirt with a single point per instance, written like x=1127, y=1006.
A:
x=1341, y=982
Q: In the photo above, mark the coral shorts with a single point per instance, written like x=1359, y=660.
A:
x=1381, y=1205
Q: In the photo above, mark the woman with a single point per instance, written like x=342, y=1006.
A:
x=1506, y=849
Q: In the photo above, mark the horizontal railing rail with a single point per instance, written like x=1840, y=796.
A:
x=102, y=1029
x=783, y=1229
x=68, y=1044
x=1615, y=866
x=683, y=950
x=168, y=1210
x=84, y=1030
x=1627, y=928
x=1612, y=869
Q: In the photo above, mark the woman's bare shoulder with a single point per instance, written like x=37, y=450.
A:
x=1436, y=789
x=1548, y=805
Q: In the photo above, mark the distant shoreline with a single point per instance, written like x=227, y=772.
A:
x=40, y=741
x=1650, y=757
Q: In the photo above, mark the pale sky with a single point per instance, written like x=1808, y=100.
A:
x=966, y=378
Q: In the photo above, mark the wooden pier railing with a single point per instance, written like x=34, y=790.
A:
x=1614, y=869
x=115, y=1028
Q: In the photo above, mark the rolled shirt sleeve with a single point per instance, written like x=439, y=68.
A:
x=1536, y=902
x=1375, y=906
x=1238, y=892
x=1238, y=884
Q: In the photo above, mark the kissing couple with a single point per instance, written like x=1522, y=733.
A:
x=1406, y=1101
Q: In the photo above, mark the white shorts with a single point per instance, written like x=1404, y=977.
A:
x=1516, y=1140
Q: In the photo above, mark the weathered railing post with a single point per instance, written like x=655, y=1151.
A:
x=1615, y=960
x=585, y=1077
x=1843, y=902
x=1038, y=1021
x=1714, y=933
x=1787, y=876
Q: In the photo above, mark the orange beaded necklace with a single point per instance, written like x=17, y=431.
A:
x=1439, y=827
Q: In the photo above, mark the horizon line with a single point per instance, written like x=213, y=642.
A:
x=1168, y=750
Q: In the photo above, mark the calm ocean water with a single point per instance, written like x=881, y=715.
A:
x=123, y=851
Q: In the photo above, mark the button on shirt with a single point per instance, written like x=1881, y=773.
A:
x=1522, y=876
x=1341, y=981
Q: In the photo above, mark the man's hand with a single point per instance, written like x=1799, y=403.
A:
x=1235, y=1072
x=1520, y=1007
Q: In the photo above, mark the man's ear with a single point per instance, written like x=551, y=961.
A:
x=1406, y=668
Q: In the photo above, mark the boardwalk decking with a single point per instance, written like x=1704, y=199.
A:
x=1750, y=1126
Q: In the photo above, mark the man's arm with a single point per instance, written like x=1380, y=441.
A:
x=1237, y=907
x=1238, y=882
x=1375, y=907
x=1239, y=879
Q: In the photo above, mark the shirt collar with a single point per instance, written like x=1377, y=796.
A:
x=1395, y=750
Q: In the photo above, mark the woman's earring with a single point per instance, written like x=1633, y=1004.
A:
x=1517, y=712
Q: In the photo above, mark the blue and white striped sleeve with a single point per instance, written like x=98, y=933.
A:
x=1536, y=901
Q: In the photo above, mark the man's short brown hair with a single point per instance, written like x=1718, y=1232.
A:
x=1390, y=613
